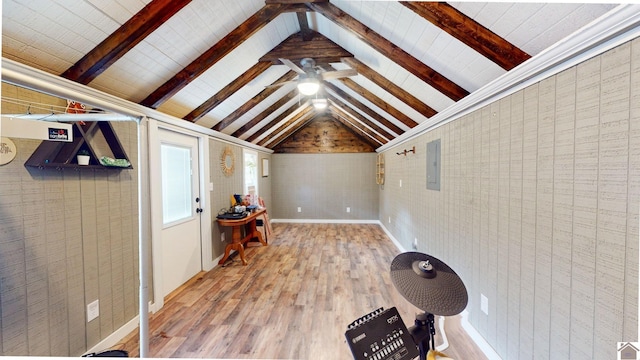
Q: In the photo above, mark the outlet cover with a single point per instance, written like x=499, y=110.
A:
x=400, y=182
x=415, y=244
x=348, y=209
x=93, y=310
x=222, y=237
x=484, y=304
x=299, y=209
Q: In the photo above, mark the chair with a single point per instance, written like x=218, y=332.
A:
x=264, y=222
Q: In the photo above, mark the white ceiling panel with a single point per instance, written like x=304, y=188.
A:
x=235, y=64
x=277, y=125
x=532, y=27
x=387, y=68
x=174, y=46
x=257, y=110
x=249, y=91
x=433, y=47
x=120, y=11
x=370, y=105
x=239, y=98
x=54, y=34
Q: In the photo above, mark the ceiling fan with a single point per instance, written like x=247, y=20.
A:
x=310, y=75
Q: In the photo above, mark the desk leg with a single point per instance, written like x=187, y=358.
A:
x=236, y=244
x=254, y=233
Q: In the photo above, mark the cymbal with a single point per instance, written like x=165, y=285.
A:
x=429, y=284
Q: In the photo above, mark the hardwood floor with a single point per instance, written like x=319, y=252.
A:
x=293, y=300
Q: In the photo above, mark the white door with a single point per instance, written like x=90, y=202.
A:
x=181, y=246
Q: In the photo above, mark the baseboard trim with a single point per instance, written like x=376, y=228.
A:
x=393, y=239
x=484, y=346
x=324, y=221
x=116, y=336
x=217, y=260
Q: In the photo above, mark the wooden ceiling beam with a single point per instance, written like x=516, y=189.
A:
x=375, y=100
x=296, y=7
x=390, y=50
x=210, y=57
x=306, y=116
x=294, y=48
x=264, y=114
x=123, y=39
x=293, y=1
x=470, y=32
x=280, y=134
x=305, y=32
x=360, y=106
x=227, y=91
x=390, y=87
x=229, y=119
x=256, y=134
x=359, y=120
x=357, y=128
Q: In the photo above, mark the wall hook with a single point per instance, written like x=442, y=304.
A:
x=413, y=150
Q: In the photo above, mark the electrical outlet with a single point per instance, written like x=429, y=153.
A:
x=484, y=304
x=93, y=310
x=222, y=237
x=389, y=219
x=400, y=182
x=299, y=209
x=415, y=244
x=348, y=209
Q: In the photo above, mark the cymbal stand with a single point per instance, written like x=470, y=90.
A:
x=423, y=333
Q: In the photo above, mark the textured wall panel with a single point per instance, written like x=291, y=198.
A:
x=323, y=186
x=68, y=237
x=550, y=174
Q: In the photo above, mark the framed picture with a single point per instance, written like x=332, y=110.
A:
x=265, y=167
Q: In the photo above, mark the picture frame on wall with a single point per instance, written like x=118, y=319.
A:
x=265, y=167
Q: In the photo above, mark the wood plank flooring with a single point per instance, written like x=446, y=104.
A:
x=293, y=300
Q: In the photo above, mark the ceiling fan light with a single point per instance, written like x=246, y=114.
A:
x=320, y=104
x=308, y=86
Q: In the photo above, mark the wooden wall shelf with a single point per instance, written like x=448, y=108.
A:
x=62, y=155
x=380, y=169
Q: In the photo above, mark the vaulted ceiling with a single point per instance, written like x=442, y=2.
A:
x=214, y=62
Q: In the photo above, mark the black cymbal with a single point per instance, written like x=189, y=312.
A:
x=429, y=284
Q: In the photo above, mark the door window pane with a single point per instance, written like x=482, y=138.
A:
x=250, y=172
x=176, y=183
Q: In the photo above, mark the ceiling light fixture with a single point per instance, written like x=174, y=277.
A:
x=320, y=104
x=308, y=85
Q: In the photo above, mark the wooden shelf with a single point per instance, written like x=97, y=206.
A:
x=380, y=169
x=62, y=155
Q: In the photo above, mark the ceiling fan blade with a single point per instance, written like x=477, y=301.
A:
x=338, y=74
x=281, y=83
x=293, y=66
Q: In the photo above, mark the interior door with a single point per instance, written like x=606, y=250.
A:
x=181, y=246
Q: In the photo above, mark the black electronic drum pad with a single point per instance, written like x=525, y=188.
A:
x=429, y=284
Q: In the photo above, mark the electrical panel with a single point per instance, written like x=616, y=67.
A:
x=433, y=165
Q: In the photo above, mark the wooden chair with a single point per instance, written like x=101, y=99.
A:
x=264, y=222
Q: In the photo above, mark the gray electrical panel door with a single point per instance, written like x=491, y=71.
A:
x=433, y=165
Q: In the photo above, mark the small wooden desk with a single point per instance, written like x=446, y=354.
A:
x=238, y=242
